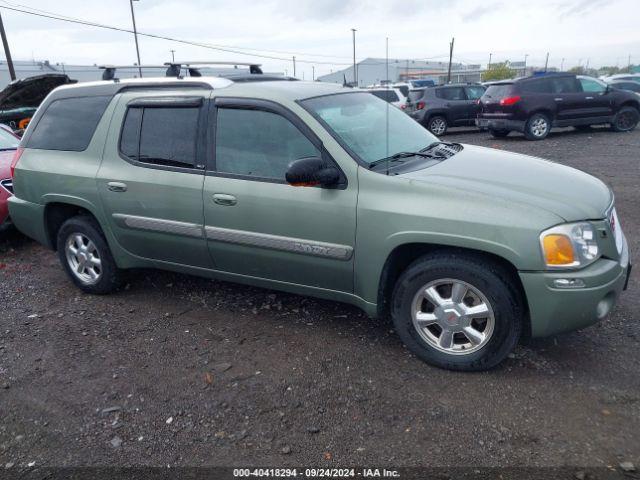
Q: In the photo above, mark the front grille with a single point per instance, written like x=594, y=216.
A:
x=7, y=184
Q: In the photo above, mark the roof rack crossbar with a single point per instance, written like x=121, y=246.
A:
x=254, y=68
x=110, y=70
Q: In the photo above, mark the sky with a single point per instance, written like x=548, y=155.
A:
x=318, y=32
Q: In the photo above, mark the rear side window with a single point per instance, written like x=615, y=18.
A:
x=161, y=135
x=404, y=89
x=541, y=85
x=68, y=124
x=451, y=93
x=475, y=92
x=564, y=85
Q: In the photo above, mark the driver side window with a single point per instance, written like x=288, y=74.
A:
x=258, y=143
x=591, y=85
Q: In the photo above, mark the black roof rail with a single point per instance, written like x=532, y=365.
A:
x=110, y=70
x=174, y=68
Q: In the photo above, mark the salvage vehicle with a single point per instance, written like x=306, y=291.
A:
x=20, y=99
x=534, y=105
x=319, y=190
x=8, y=144
x=439, y=108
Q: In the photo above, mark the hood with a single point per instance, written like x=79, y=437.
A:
x=515, y=178
x=30, y=92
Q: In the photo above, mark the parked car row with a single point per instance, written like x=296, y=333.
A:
x=530, y=105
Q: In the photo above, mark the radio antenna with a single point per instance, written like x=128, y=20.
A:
x=387, y=111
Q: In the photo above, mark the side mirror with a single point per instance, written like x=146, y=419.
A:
x=310, y=172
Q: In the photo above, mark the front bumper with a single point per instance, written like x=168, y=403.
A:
x=500, y=124
x=556, y=310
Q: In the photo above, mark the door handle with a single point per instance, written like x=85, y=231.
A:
x=117, y=186
x=589, y=98
x=224, y=199
x=558, y=99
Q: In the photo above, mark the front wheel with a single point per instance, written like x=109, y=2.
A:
x=86, y=257
x=437, y=125
x=458, y=311
x=537, y=127
x=625, y=120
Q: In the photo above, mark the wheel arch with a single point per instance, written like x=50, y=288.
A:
x=405, y=254
x=58, y=210
x=630, y=103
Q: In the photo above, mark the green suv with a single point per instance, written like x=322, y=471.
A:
x=319, y=190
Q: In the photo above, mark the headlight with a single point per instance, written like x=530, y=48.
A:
x=569, y=246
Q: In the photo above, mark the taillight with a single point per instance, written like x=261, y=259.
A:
x=420, y=105
x=509, y=100
x=15, y=160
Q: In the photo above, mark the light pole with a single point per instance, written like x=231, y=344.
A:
x=562, y=64
x=524, y=70
x=294, y=65
x=355, y=72
x=135, y=35
x=7, y=52
x=173, y=56
x=313, y=73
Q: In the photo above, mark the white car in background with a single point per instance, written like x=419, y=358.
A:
x=633, y=77
x=393, y=95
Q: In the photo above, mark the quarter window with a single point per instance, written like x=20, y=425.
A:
x=161, y=135
x=258, y=143
x=68, y=124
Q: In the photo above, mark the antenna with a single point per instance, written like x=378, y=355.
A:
x=387, y=111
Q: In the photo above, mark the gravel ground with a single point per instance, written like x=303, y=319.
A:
x=178, y=370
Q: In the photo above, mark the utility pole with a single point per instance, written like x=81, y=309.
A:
x=546, y=63
x=294, y=65
x=628, y=61
x=450, y=60
x=586, y=68
x=313, y=73
x=135, y=35
x=355, y=72
x=524, y=70
x=562, y=64
x=173, y=56
x=7, y=52
x=489, y=64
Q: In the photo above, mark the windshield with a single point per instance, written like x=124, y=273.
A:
x=360, y=121
x=7, y=140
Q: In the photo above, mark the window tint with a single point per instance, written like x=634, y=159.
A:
x=387, y=95
x=540, y=85
x=404, y=89
x=161, y=136
x=258, y=143
x=564, y=85
x=451, y=93
x=591, y=85
x=498, y=91
x=475, y=92
x=68, y=124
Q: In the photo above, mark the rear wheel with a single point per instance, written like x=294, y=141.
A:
x=437, y=125
x=625, y=120
x=86, y=257
x=499, y=133
x=457, y=311
x=537, y=127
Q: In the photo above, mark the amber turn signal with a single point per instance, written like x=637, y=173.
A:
x=558, y=250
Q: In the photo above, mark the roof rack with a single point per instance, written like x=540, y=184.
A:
x=174, y=69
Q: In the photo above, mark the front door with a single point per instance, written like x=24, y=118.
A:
x=151, y=178
x=457, y=104
x=259, y=226
x=597, y=98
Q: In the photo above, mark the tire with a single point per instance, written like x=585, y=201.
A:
x=486, y=283
x=437, y=125
x=625, y=120
x=499, y=133
x=537, y=127
x=92, y=268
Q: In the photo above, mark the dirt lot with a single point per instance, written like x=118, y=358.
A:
x=177, y=370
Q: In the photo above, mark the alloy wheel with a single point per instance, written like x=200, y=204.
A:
x=626, y=120
x=438, y=126
x=453, y=316
x=539, y=127
x=83, y=258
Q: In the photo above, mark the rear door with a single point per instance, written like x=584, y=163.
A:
x=151, y=177
x=259, y=226
x=569, y=98
x=474, y=93
x=456, y=103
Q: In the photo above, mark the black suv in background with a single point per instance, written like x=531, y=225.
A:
x=534, y=105
x=438, y=108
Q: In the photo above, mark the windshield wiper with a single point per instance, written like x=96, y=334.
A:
x=401, y=155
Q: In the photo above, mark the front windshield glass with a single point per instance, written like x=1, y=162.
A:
x=360, y=121
x=8, y=141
